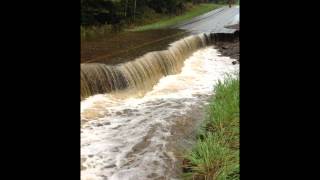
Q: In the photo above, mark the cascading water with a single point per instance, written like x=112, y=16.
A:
x=142, y=73
x=140, y=137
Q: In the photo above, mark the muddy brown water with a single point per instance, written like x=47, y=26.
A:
x=140, y=74
x=126, y=46
x=144, y=137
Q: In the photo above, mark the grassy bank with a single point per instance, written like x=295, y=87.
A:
x=216, y=154
x=149, y=20
x=167, y=21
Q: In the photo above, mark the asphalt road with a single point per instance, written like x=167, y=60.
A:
x=213, y=22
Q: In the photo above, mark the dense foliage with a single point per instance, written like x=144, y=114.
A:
x=99, y=12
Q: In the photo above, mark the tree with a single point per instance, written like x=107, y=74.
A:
x=99, y=12
x=134, y=10
x=125, y=9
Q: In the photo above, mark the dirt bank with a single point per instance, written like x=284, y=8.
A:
x=229, y=45
x=230, y=49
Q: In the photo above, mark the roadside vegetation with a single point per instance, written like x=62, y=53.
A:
x=215, y=156
x=105, y=17
x=167, y=20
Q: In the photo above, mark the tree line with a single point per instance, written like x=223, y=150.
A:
x=99, y=12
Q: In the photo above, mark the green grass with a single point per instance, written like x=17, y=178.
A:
x=216, y=153
x=150, y=20
x=170, y=21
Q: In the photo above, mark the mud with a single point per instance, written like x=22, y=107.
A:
x=128, y=45
x=229, y=45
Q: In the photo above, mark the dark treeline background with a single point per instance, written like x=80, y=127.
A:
x=113, y=12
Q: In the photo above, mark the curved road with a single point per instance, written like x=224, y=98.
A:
x=213, y=22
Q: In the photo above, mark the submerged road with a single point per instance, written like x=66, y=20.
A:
x=144, y=137
x=213, y=22
x=127, y=46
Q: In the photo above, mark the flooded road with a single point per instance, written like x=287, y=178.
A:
x=143, y=137
x=126, y=46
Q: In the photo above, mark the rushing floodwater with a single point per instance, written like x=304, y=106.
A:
x=140, y=74
x=141, y=137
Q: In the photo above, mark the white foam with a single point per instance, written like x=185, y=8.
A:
x=127, y=138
